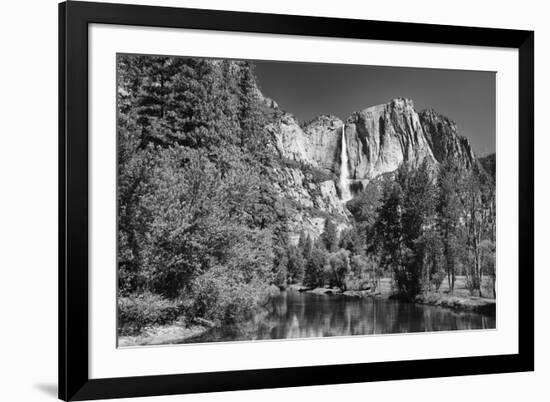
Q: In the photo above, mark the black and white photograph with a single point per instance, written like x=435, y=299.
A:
x=262, y=200
x=243, y=201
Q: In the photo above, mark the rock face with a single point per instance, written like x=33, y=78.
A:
x=382, y=137
x=299, y=186
x=309, y=202
x=289, y=139
x=442, y=137
x=378, y=140
x=317, y=143
x=322, y=137
x=489, y=164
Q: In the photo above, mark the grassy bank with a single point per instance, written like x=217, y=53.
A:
x=461, y=299
x=176, y=332
x=473, y=304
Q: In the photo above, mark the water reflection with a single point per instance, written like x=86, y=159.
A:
x=302, y=315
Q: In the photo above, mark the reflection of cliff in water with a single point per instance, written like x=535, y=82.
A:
x=305, y=315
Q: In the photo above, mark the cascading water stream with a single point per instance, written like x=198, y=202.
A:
x=344, y=171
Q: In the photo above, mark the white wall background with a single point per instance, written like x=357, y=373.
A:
x=28, y=198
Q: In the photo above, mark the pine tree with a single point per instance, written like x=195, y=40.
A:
x=315, y=267
x=307, y=247
x=330, y=236
x=295, y=265
x=350, y=240
x=419, y=204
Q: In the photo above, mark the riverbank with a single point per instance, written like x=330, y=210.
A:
x=176, y=332
x=459, y=300
x=200, y=330
x=471, y=304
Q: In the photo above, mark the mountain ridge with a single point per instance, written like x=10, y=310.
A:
x=378, y=138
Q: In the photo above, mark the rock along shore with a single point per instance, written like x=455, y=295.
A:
x=455, y=302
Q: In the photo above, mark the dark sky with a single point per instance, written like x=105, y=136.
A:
x=309, y=89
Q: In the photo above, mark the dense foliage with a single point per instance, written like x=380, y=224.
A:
x=432, y=224
x=420, y=226
x=198, y=223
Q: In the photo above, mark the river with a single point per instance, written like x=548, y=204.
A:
x=292, y=314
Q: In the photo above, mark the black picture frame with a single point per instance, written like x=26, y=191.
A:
x=74, y=381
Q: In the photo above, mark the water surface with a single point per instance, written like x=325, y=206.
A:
x=292, y=314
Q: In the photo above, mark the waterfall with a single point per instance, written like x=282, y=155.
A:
x=344, y=172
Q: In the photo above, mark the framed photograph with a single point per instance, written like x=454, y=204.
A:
x=258, y=201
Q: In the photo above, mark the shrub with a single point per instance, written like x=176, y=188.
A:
x=339, y=268
x=361, y=276
x=140, y=310
x=359, y=264
x=222, y=296
x=359, y=282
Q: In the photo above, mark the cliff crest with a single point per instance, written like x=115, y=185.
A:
x=378, y=139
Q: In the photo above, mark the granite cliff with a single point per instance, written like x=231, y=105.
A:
x=378, y=140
